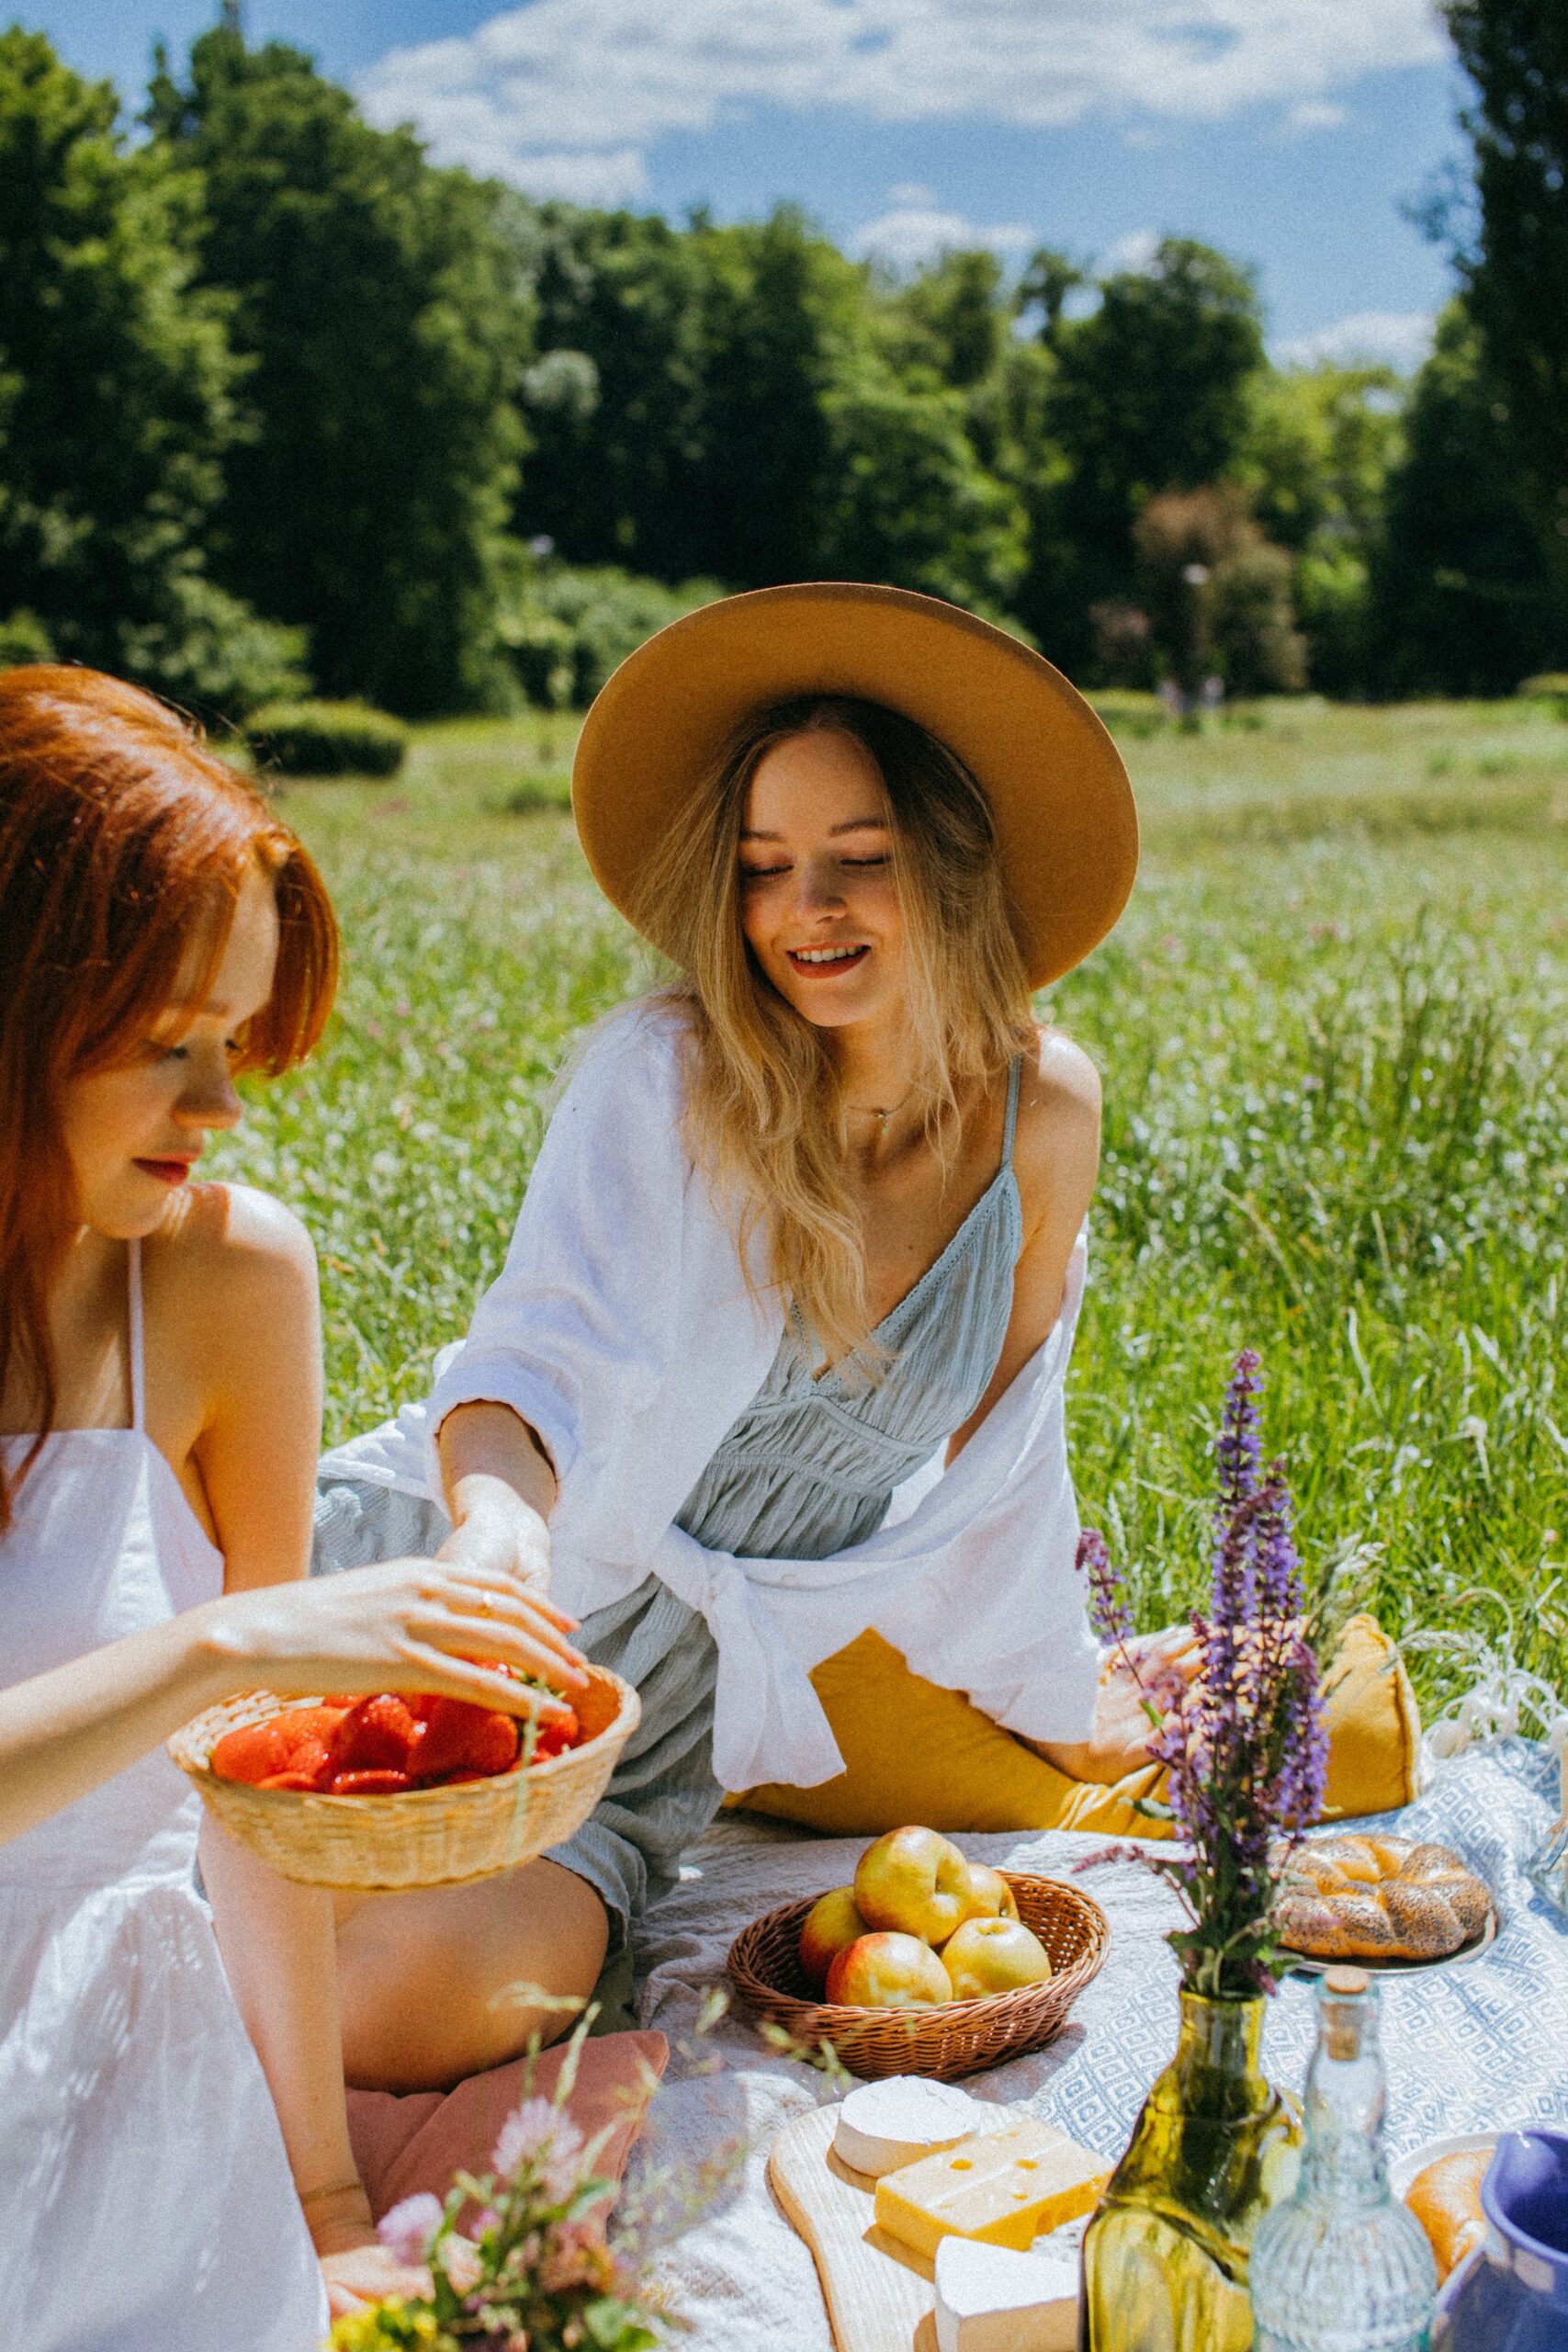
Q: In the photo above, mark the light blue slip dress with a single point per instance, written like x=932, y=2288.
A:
x=810, y=1468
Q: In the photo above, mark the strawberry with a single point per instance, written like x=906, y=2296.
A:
x=376, y=1735
x=456, y=1737
x=371, y=1783
x=288, y=1781
x=556, y=1737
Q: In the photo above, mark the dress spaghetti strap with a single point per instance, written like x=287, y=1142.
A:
x=1010, y=1127
x=137, y=1379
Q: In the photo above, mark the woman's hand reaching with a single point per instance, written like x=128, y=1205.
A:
x=1119, y=1744
x=402, y=1624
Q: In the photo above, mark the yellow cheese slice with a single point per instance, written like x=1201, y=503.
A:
x=1003, y=2190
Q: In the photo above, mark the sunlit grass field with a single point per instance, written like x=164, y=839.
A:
x=1332, y=1028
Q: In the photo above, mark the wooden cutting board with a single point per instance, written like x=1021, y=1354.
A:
x=879, y=2293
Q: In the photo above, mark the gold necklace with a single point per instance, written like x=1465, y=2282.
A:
x=870, y=1111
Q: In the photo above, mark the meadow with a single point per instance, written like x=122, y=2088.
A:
x=1332, y=1031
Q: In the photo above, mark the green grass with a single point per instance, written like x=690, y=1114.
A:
x=1332, y=1030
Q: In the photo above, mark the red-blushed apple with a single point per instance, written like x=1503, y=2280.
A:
x=915, y=1882
x=993, y=1956
x=831, y=1926
x=888, y=1972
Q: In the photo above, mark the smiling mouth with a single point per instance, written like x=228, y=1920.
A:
x=825, y=963
x=167, y=1171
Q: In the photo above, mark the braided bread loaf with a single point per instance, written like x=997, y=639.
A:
x=1378, y=1898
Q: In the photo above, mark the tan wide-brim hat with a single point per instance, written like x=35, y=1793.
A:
x=1066, y=829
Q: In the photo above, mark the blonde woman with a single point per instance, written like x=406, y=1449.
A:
x=779, y=1348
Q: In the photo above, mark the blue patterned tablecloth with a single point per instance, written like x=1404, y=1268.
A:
x=1468, y=2047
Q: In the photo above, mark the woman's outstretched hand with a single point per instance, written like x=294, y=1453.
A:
x=1119, y=1744
x=402, y=1624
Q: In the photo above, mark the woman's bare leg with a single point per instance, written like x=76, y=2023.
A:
x=442, y=1983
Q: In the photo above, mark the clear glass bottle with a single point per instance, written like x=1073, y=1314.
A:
x=1342, y=2265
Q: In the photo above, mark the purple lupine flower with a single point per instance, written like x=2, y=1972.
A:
x=1108, y=1612
x=1243, y=1744
x=406, y=2231
x=1239, y=1447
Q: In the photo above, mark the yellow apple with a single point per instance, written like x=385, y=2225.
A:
x=888, y=1972
x=993, y=1956
x=831, y=1926
x=915, y=1882
x=990, y=1896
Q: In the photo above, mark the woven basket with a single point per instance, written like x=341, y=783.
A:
x=418, y=1837
x=956, y=2037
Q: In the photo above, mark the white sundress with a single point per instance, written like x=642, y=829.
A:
x=145, y=2198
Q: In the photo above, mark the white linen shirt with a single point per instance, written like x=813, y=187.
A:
x=622, y=1329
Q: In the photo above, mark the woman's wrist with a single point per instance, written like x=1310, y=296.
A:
x=338, y=2216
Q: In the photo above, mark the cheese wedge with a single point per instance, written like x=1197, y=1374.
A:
x=885, y=2125
x=991, y=2300
x=1006, y=2189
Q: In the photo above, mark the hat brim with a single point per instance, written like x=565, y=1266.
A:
x=1066, y=829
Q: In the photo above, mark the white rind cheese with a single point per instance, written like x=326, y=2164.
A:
x=894, y=2122
x=990, y=2300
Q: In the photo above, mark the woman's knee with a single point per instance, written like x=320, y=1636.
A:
x=446, y=1982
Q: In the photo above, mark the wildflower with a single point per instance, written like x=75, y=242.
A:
x=540, y=2134
x=577, y=2255
x=1243, y=1744
x=463, y=2263
x=1108, y=1612
x=407, y=2230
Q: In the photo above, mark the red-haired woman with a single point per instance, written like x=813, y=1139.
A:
x=159, y=1410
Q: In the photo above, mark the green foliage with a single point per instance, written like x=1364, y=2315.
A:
x=326, y=738
x=23, y=638
x=1516, y=267
x=374, y=302
x=1463, y=597
x=117, y=391
x=1151, y=395
x=570, y=627
x=1548, y=686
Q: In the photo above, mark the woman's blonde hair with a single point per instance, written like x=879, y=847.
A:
x=765, y=1109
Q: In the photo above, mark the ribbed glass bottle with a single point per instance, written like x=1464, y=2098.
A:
x=1342, y=2265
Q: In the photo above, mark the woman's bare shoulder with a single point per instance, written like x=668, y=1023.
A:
x=234, y=1262
x=1057, y=1154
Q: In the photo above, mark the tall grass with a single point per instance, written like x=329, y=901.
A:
x=1332, y=1030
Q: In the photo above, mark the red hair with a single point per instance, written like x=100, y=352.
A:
x=123, y=843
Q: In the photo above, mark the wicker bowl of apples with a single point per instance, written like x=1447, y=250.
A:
x=928, y=1964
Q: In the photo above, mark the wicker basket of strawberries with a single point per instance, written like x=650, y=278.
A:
x=391, y=1792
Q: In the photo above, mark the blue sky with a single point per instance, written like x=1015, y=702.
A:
x=1286, y=131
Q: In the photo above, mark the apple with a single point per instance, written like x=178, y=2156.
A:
x=990, y=1896
x=888, y=1972
x=915, y=1882
x=993, y=1956
x=831, y=1926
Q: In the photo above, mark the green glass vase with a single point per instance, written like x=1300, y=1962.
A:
x=1166, y=2255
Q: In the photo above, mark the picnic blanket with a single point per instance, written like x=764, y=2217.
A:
x=1472, y=2047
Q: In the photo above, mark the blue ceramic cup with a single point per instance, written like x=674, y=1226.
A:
x=1512, y=2295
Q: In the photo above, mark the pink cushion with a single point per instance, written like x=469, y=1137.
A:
x=419, y=2139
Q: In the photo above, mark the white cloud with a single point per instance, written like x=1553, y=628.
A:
x=1400, y=339
x=1316, y=114
x=910, y=234
x=574, y=79
x=1133, y=252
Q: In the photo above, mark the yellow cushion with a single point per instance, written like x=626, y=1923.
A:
x=915, y=1752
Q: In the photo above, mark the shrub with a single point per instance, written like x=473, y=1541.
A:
x=1551, y=686
x=23, y=638
x=572, y=626
x=209, y=652
x=326, y=738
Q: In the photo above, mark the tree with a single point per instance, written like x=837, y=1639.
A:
x=117, y=399
x=1463, y=599
x=1152, y=395
x=1516, y=267
x=378, y=306
x=950, y=319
